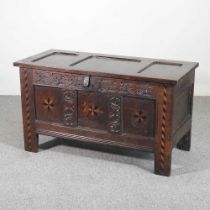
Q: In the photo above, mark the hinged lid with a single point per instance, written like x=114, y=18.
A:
x=135, y=68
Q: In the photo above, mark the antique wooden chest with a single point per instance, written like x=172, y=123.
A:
x=129, y=102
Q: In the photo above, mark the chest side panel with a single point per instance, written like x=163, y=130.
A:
x=183, y=105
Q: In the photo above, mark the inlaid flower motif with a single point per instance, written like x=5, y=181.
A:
x=90, y=109
x=48, y=104
x=93, y=110
x=139, y=116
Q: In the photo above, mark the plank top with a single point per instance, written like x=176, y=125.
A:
x=136, y=68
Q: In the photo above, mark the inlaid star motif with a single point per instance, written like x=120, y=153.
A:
x=93, y=110
x=48, y=104
x=139, y=116
x=90, y=109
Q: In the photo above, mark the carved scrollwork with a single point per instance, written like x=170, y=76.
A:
x=114, y=115
x=144, y=90
x=42, y=77
x=70, y=108
x=69, y=115
x=57, y=80
x=69, y=96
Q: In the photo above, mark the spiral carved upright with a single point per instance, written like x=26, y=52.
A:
x=163, y=128
x=27, y=110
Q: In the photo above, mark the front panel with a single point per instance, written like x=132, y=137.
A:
x=48, y=103
x=113, y=106
x=92, y=110
x=139, y=116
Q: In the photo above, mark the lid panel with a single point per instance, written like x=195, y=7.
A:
x=56, y=58
x=108, y=64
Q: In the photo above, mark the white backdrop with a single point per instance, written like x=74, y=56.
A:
x=170, y=29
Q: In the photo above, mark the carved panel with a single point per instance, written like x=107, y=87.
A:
x=114, y=125
x=139, y=116
x=92, y=110
x=104, y=85
x=70, y=108
x=48, y=102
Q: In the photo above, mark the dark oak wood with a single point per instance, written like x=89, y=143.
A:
x=185, y=142
x=28, y=111
x=135, y=103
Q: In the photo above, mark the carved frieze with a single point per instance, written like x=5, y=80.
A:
x=104, y=85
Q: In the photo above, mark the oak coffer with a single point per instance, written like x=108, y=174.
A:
x=129, y=102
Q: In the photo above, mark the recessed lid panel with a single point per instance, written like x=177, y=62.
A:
x=56, y=58
x=108, y=64
x=160, y=69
